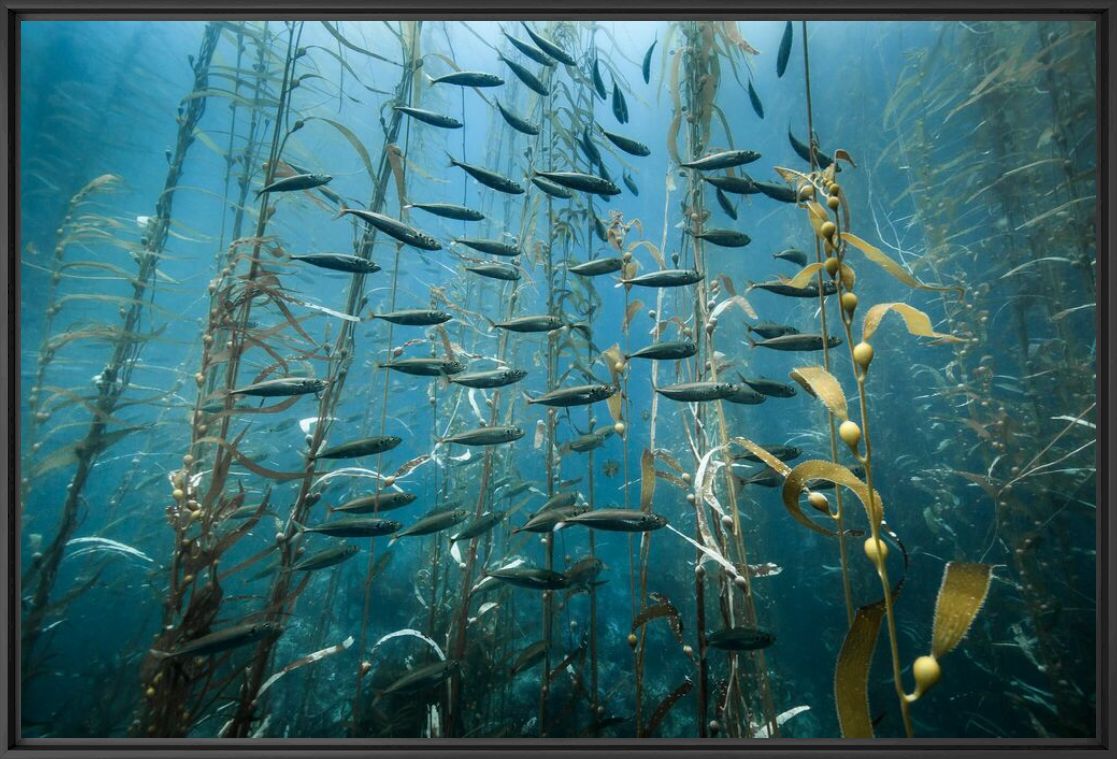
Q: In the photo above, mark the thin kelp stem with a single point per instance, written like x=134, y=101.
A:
x=117, y=372
x=847, y=589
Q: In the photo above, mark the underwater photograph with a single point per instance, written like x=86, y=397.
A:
x=500, y=379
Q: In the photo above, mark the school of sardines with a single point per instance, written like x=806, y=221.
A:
x=529, y=457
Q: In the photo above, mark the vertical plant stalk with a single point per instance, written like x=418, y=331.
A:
x=843, y=554
x=117, y=371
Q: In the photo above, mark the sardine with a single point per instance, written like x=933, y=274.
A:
x=757, y=106
x=424, y=367
x=620, y=107
x=533, y=578
x=553, y=189
x=223, y=640
x=785, y=51
x=598, y=81
x=725, y=238
x=646, y=67
x=619, y=520
x=505, y=272
x=540, y=323
x=296, y=182
x=489, y=379
x=745, y=396
x=327, y=557
x=429, y=117
x=583, y=395
x=339, y=262
x=692, y=392
x=769, y=387
x=545, y=519
x=794, y=255
x=829, y=287
x=666, y=278
x=804, y=151
x=364, y=447
x=742, y=185
x=724, y=160
x=796, y=342
x=469, y=79
x=529, y=79
x=494, y=247
x=489, y=178
x=666, y=351
x=628, y=145
x=723, y=201
x=436, y=521
x=516, y=122
x=486, y=435
x=423, y=678
x=376, y=502
x=395, y=228
x=479, y=526
x=779, y=192
x=353, y=527
x=630, y=183
x=449, y=211
x=597, y=267
x=284, y=386
x=549, y=47
x=415, y=317
x=740, y=639
x=771, y=329
x=581, y=182
x=530, y=51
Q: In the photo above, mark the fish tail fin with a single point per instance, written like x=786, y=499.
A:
x=752, y=285
x=752, y=343
x=527, y=398
x=342, y=209
x=299, y=526
x=160, y=654
x=450, y=156
x=582, y=327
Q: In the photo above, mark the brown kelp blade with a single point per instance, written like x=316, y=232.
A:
x=963, y=591
x=824, y=386
x=851, y=675
x=827, y=470
x=878, y=257
x=665, y=706
x=917, y=322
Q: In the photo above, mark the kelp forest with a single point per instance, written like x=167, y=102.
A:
x=498, y=379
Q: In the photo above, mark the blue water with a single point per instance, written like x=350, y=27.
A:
x=929, y=189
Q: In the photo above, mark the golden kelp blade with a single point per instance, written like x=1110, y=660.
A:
x=824, y=386
x=878, y=257
x=633, y=308
x=655, y=611
x=614, y=358
x=647, y=480
x=764, y=456
x=805, y=277
x=353, y=140
x=918, y=323
x=851, y=675
x=839, y=475
x=963, y=591
x=665, y=706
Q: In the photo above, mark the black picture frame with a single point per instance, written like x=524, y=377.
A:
x=1102, y=12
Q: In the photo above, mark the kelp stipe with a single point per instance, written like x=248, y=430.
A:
x=127, y=341
x=855, y=657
